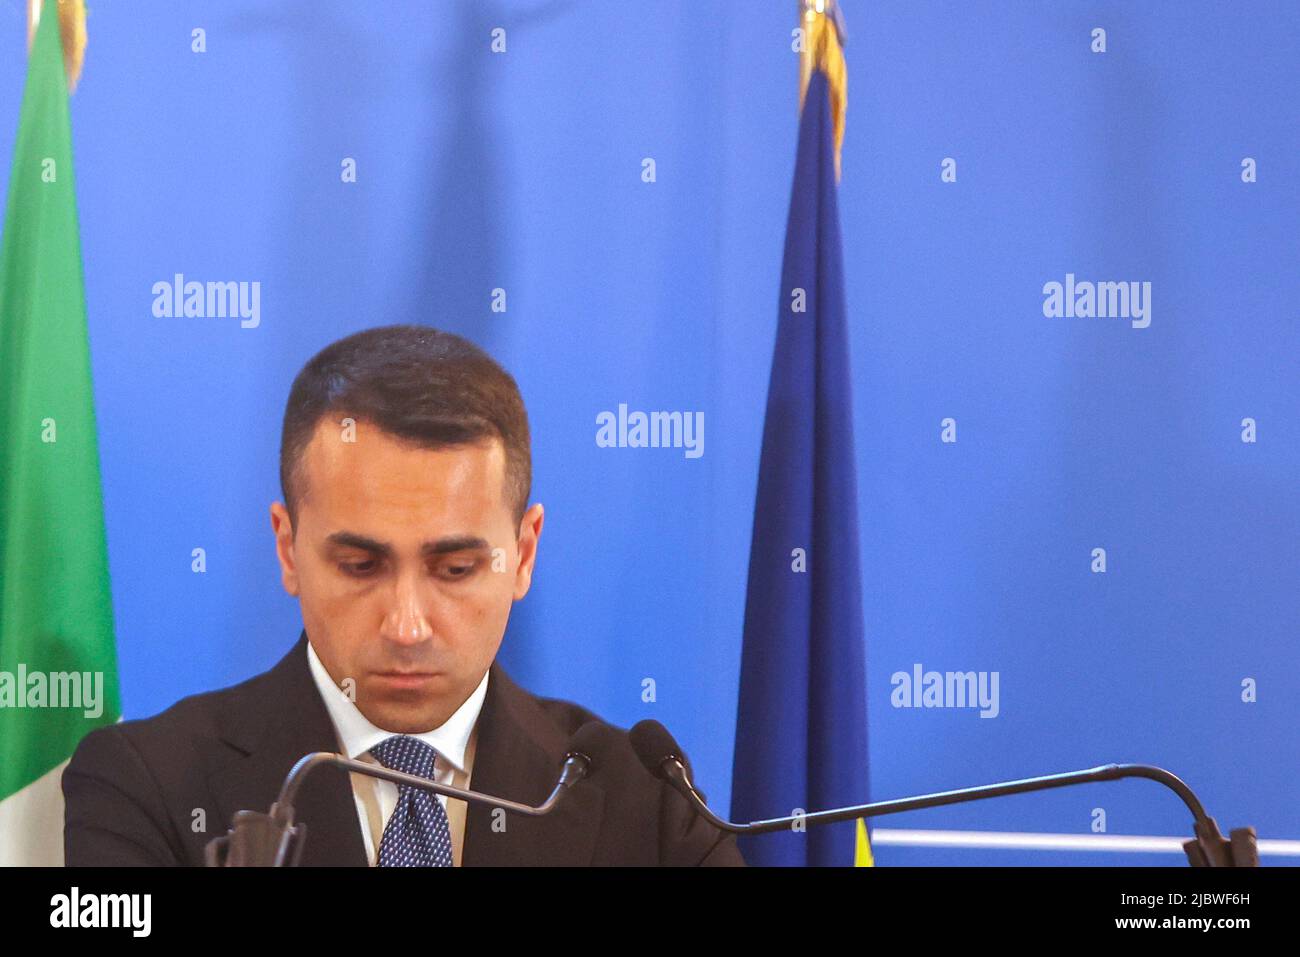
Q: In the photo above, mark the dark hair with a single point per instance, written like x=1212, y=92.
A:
x=431, y=388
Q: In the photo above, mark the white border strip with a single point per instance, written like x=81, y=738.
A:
x=1021, y=840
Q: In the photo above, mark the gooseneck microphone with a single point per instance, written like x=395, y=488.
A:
x=664, y=758
x=273, y=840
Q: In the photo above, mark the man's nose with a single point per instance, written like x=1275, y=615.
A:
x=408, y=618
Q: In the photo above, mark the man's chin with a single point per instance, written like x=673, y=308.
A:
x=408, y=708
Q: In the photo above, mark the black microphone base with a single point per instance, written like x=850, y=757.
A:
x=1211, y=849
x=258, y=840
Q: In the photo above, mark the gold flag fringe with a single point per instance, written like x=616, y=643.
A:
x=822, y=51
x=72, y=31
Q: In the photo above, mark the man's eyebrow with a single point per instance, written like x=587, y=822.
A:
x=441, y=546
x=454, y=543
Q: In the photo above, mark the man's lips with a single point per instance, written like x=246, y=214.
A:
x=405, y=679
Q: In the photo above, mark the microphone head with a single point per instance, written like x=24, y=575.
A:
x=654, y=745
x=592, y=742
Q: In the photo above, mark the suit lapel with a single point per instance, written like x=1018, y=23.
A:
x=276, y=719
x=518, y=756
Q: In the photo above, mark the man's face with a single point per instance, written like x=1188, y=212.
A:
x=406, y=562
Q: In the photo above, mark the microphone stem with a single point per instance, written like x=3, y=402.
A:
x=1105, y=772
x=306, y=764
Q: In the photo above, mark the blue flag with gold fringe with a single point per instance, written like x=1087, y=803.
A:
x=801, y=732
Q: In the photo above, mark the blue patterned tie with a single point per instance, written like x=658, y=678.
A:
x=417, y=834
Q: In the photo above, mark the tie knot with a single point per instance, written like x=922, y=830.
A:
x=405, y=753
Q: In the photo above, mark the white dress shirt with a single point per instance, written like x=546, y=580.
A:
x=454, y=741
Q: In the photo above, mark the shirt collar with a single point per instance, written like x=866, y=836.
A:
x=357, y=735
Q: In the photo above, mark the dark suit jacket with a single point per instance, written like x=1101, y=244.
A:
x=133, y=789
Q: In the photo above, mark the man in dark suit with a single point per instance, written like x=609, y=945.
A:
x=405, y=534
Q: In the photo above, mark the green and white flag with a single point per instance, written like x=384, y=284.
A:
x=58, y=663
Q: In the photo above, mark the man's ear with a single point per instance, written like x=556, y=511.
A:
x=282, y=526
x=530, y=530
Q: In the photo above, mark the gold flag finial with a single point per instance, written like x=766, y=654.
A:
x=823, y=49
x=72, y=31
